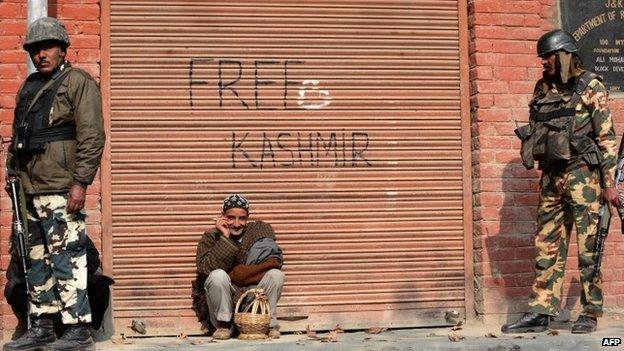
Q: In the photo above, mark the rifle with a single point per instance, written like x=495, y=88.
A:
x=19, y=238
x=618, y=179
x=605, y=214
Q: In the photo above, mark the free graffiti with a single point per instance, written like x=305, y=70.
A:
x=228, y=76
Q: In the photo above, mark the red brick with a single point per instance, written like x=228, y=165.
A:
x=12, y=70
x=528, y=7
x=481, y=46
x=79, y=11
x=10, y=43
x=9, y=86
x=492, y=142
x=528, y=60
x=521, y=87
x=87, y=55
x=509, y=73
x=505, y=254
x=481, y=73
x=13, y=27
x=510, y=100
x=533, y=20
x=488, y=6
x=12, y=10
x=493, y=87
x=85, y=42
x=526, y=199
x=483, y=101
x=7, y=101
x=499, y=19
x=6, y=116
x=92, y=68
x=490, y=32
x=511, y=46
x=13, y=56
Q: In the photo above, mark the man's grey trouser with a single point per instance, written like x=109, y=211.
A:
x=219, y=291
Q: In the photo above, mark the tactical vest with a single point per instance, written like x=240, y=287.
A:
x=552, y=138
x=33, y=113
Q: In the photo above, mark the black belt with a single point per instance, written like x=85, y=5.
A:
x=56, y=133
x=547, y=116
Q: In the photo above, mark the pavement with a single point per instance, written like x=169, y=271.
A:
x=475, y=337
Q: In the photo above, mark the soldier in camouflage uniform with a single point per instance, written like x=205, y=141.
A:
x=58, y=139
x=571, y=135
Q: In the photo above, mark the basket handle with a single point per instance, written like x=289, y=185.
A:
x=240, y=299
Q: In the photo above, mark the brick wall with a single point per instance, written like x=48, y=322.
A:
x=503, y=71
x=82, y=19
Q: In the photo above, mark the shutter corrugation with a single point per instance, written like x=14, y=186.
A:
x=339, y=120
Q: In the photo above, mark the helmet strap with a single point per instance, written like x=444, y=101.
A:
x=564, y=61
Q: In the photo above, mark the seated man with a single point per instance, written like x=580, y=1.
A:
x=237, y=254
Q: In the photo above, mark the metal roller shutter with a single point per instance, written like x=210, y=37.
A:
x=339, y=120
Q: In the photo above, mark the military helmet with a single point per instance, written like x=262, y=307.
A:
x=45, y=28
x=556, y=40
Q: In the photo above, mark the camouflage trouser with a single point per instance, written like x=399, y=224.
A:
x=58, y=260
x=569, y=197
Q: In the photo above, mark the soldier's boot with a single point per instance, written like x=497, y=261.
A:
x=40, y=334
x=529, y=323
x=584, y=324
x=76, y=338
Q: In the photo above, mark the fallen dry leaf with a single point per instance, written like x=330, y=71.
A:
x=375, y=330
x=456, y=327
x=310, y=333
x=455, y=338
x=338, y=329
x=553, y=332
x=138, y=326
x=121, y=340
x=491, y=335
x=331, y=337
x=182, y=336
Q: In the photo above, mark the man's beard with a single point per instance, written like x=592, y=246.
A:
x=236, y=232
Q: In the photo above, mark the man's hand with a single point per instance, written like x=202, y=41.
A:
x=76, y=198
x=611, y=196
x=7, y=187
x=222, y=225
x=245, y=275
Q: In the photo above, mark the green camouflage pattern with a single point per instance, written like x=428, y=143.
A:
x=58, y=260
x=570, y=197
x=594, y=108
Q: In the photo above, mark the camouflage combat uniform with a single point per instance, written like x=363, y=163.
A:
x=56, y=239
x=570, y=195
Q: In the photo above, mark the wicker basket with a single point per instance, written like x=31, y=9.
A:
x=253, y=323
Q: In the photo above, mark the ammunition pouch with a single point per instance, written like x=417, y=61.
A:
x=588, y=150
x=557, y=135
x=524, y=133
